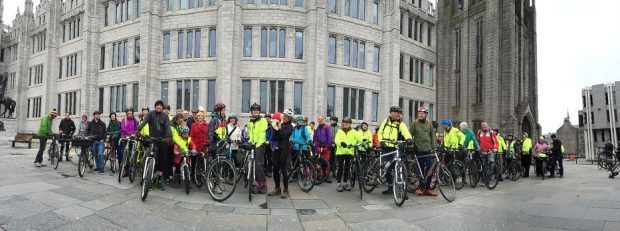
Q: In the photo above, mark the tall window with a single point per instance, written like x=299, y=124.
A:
x=164, y=92
x=272, y=95
x=354, y=53
x=183, y=4
x=34, y=107
x=412, y=71
x=347, y=51
x=70, y=102
x=249, y=1
x=345, y=102
x=264, y=95
x=170, y=4
x=353, y=103
x=180, y=45
x=128, y=10
x=421, y=73
x=212, y=2
x=331, y=51
x=264, y=42
x=415, y=30
x=166, y=53
x=429, y=30
x=125, y=53
x=299, y=3
x=375, y=12
x=212, y=42
x=188, y=94
x=273, y=42
x=101, y=89
x=355, y=8
x=331, y=93
x=106, y=15
x=118, y=98
x=120, y=54
x=298, y=98
x=479, y=63
x=36, y=75
x=374, y=110
x=401, y=66
x=431, y=80
x=134, y=96
x=102, y=58
x=197, y=45
x=190, y=45
x=457, y=47
x=136, y=50
x=201, y=3
x=210, y=94
x=245, y=96
x=282, y=43
x=247, y=42
x=138, y=8
x=333, y=6
x=299, y=44
x=376, y=59
x=410, y=27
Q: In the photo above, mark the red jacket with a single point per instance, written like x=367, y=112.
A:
x=199, y=132
x=488, y=140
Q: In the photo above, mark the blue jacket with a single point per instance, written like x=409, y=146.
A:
x=300, y=138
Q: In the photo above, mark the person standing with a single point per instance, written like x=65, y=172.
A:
x=556, y=151
x=424, y=139
x=192, y=119
x=217, y=127
x=114, y=130
x=268, y=149
x=488, y=145
x=159, y=127
x=234, y=134
x=45, y=131
x=345, y=139
x=257, y=130
x=501, y=149
x=334, y=128
x=83, y=126
x=392, y=129
x=97, y=130
x=540, y=147
x=67, y=128
x=323, y=141
x=129, y=126
x=198, y=132
x=526, y=156
x=300, y=139
x=282, y=153
x=471, y=143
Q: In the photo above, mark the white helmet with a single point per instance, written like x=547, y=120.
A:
x=288, y=112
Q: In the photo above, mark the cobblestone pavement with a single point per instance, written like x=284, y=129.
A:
x=46, y=199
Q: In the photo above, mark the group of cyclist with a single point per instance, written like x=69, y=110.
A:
x=281, y=137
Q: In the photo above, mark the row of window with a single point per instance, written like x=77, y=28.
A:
x=11, y=82
x=602, y=131
x=118, y=97
x=356, y=9
x=38, y=42
x=354, y=53
x=412, y=109
x=122, y=10
x=585, y=119
x=70, y=66
x=297, y=3
x=71, y=29
x=613, y=98
x=273, y=42
x=36, y=75
x=9, y=54
x=353, y=103
x=271, y=96
x=33, y=109
x=70, y=105
x=415, y=28
x=416, y=70
x=192, y=47
x=188, y=93
x=41, y=19
x=187, y=4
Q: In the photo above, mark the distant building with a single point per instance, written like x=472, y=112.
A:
x=598, y=120
x=568, y=134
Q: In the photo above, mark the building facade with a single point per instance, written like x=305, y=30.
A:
x=598, y=120
x=335, y=57
x=569, y=135
x=487, y=64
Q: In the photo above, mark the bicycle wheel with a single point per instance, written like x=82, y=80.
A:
x=147, y=178
x=82, y=162
x=513, y=171
x=370, y=175
x=602, y=160
x=54, y=155
x=247, y=174
x=322, y=168
x=458, y=168
x=186, y=179
x=352, y=175
x=493, y=179
x=123, y=164
x=112, y=158
x=199, y=172
x=400, y=183
x=472, y=173
x=251, y=177
x=306, y=176
x=220, y=180
x=446, y=184
x=360, y=179
x=412, y=175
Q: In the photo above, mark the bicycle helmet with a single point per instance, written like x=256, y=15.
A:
x=423, y=109
x=219, y=106
x=255, y=107
x=183, y=129
x=299, y=118
x=232, y=116
x=446, y=122
x=396, y=109
x=277, y=117
x=347, y=120
x=288, y=112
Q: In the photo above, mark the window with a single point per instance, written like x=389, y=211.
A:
x=106, y=15
x=134, y=96
x=410, y=114
x=190, y=42
x=164, y=92
x=299, y=3
x=102, y=58
x=247, y=42
x=11, y=81
x=36, y=75
x=352, y=7
x=211, y=2
x=136, y=50
x=118, y=98
x=280, y=96
x=249, y=2
x=333, y=6
x=264, y=95
x=273, y=43
x=180, y=45
x=120, y=56
x=421, y=33
x=166, y=53
x=197, y=41
x=183, y=4
x=402, y=22
x=125, y=53
x=263, y=42
x=415, y=30
x=129, y=10
x=353, y=103
x=298, y=99
x=375, y=12
x=331, y=90
x=119, y=12
x=71, y=65
x=299, y=44
x=429, y=30
x=283, y=2
x=347, y=51
x=71, y=29
x=212, y=42
x=201, y=3
x=410, y=28
x=210, y=94
x=431, y=80
x=138, y=8
x=594, y=136
x=170, y=5
x=479, y=44
x=114, y=50
x=607, y=114
x=34, y=107
x=60, y=68
x=331, y=52
x=376, y=59
x=592, y=117
x=70, y=103
x=606, y=99
x=282, y=43
x=401, y=66
x=354, y=53
x=188, y=94
x=421, y=72
x=101, y=89
x=412, y=70
x=374, y=110
x=479, y=87
x=457, y=57
x=400, y=102
x=245, y=96
x=345, y=102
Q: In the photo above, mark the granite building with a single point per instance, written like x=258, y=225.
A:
x=487, y=64
x=351, y=58
x=598, y=120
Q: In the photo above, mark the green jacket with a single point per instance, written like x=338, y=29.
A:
x=114, y=128
x=178, y=140
x=470, y=140
x=423, y=135
x=45, y=129
x=364, y=135
x=257, y=129
x=349, y=138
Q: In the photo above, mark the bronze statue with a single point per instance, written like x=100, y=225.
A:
x=7, y=102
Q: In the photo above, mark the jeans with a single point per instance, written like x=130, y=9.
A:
x=490, y=158
x=557, y=158
x=425, y=164
x=42, y=144
x=98, y=153
x=385, y=160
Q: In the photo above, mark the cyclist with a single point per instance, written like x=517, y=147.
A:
x=198, y=133
x=323, y=141
x=451, y=135
x=282, y=152
x=129, y=124
x=234, y=134
x=300, y=139
x=191, y=119
x=424, y=140
x=345, y=139
x=167, y=112
x=45, y=130
x=501, y=149
x=488, y=143
x=182, y=146
x=114, y=132
x=526, y=156
x=470, y=141
x=540, y=147
x=97, y=129
x=159, y=127
x=67, y=128
x=375, y=138
x=392, y=128
x=217, y=127
x=365, y=135
x=557, y=156
x=257, y=131
x=177, y=122
x=145, y=129
x=510, y=149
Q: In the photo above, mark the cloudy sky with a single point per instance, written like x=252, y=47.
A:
x=577, y=46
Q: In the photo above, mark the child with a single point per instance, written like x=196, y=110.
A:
x=182, y=147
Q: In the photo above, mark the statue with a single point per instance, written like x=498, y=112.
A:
x=7, y=102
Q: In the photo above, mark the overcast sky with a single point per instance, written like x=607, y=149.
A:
x=578, y=44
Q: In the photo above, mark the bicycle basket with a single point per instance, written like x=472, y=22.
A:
x=82, y=142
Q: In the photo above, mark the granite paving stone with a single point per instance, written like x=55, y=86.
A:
x=42, y=221
x=76, y=193
x=74, y=212
x=330, y=224
x=226, y=221
x=309, y=204
x=283, y=223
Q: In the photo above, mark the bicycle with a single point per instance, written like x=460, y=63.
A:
x=221, y=176
x=304, y=168
x=375, y=173
x=456, y=167
x=149, y=165
x=85, y=144
x=199, y=173
x=53, y=152
x=110, y=153
x=321, y=165
x=126, y=164
x=357, y=168
x=439, y=172
x=184, y=167
x=473, y=168
x=512, y=169
x=491, y=171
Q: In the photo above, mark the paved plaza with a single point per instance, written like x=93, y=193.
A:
x=46, y=199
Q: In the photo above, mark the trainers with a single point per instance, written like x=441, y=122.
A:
x=276, y=192
x=419, y=192
x=38, y=165
x=339, y=187
x=347, y=186
x=101, y=172
x=285, y=194
x=430, y=193
x=43, y=164
x=389, y=190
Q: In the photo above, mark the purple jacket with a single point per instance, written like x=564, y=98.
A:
x=323, y=136
x=128, y=127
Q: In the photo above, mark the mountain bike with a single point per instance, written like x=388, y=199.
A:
x=110, y=153
x=512, y=169
x=303, y=167
x=321, y=165
x=85, y=144
x=456, y=167
x=186, y=161
x=148, y=175
x=126, y=164
x=473, y=168
x=357, y=170
x=53, y=152
x=374, y=174
x=220, y=174
x=491, y=170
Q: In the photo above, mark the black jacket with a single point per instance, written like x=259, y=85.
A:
x=557, y=147
x=97, y=129
x=159, y=124
x=284, y=136
x=67, y=126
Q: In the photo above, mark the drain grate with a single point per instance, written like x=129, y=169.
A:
x=306, y=211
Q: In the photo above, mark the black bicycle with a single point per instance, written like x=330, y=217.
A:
x=220, y=174
x=357, y=170
x=85, y=145
x=148, y=174
x=321, y=165
x=456, y=167
x=127, y=166
x=53, y=152
x=512, y=167
x=491, y=171
x=304, y=168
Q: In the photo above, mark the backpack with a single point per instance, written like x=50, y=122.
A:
x=399, y=136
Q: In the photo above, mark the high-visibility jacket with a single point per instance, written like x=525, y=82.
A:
x=350, y=138
x=257, y=130
x=451, y=138
x=178, y=140
x=365, y=135
x=527, y=146
x=501, y=148
x=562, y=149
x=390, y=130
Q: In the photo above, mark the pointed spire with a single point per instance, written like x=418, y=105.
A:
x=29, y=7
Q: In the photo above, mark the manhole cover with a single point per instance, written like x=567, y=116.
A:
x=306, y=211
